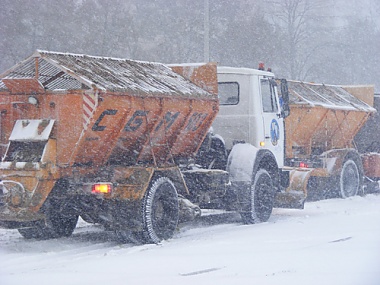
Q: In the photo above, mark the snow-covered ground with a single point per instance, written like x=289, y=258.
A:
x=329, y=242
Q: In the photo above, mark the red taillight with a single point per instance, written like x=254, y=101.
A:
x=304, y=164
x=101, y=188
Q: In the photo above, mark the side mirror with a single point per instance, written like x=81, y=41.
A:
x=284, y=99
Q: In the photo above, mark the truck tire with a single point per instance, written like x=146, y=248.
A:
x=160, y=211
x=261, y=199
x=349, y=179
x=56, y=225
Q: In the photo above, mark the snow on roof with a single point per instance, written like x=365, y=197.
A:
x=327, y=96
x=77, y=71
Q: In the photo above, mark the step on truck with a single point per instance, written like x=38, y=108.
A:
x=127, y=145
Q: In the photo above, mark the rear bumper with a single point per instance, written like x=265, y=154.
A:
x=15, y=211
x=11, y=218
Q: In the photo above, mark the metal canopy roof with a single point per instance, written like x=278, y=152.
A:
x=66, y=71
x=327, y=96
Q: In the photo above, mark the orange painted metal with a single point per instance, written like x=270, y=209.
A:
x=150, y=130
x=131, y=130
x=312, y=128
x=141, y=128
x=371, y=165
x=203, y=75
x=65, y=108
x=137, y=133
x=324, y=117
x=322, y=120
x=23, y=85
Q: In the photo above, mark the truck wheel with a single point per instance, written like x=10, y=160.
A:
x=349, y=181
x=262, y=199
x=33, y=232
x=160, y=211
x=57, y=224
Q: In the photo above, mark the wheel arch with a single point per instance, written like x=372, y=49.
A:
x=266, y=160
x=355, y=156
x=174, y=174
x=156, y=228
x=335, y=160
x=245, y=160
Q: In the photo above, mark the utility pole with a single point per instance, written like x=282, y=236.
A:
x=206, y=28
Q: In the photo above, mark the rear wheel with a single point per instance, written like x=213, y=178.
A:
x=58, y=223
x=349, y=180
x=261, y=199
x=32, y=232
x=160, y=211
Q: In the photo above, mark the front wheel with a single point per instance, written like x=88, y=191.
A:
x=160, y=211
x=261, y=199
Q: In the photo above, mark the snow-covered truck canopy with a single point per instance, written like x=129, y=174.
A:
x=67, y=71
x=324, y=117
x=107, y=109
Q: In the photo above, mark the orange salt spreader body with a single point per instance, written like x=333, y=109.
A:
x=70, y=121
x=320, y=133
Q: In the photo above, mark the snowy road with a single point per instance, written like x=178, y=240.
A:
x=330, y=242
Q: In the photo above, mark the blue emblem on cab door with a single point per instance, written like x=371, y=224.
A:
x=274, y=132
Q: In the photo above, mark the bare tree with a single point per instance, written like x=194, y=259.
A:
x=297, y=20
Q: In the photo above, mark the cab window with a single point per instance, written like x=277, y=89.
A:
x=228, y=93
x=268, y=96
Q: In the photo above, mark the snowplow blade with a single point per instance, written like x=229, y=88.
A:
x=295, y=195
x=290, y=200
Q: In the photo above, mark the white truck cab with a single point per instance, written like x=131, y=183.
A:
x=250, y=110
x=250, y=124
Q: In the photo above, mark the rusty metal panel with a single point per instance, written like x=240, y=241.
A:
x=196, y=126
x=145, y=109
x=66, y=108
x=131, y=130
x=122, y=128
x=203, y=75
x=23, y=85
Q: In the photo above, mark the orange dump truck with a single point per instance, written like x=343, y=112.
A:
x=102, y=138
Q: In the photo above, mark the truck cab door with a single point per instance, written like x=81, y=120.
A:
x=272, y=119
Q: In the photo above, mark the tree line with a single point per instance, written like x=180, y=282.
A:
x=299, y=39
